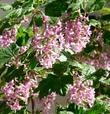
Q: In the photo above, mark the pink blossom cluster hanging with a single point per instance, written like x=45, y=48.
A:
x=8, y=37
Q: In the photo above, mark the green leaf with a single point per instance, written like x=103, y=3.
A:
x=106, y=25
x=18, y=12
x=32, y=61
x=105, y=11
x=14, y=13
x=22, y=37
x=98, y=74
x=90, y=47
x=56, y=8
x=7, y=53
x=85, y=68
x=38, y=21
x=74, y=15
x=5, y=6
x=75, y=109
x=53, y=83
x=106, y=37
x=98, y=84
x=53, y=20
x=2, y=69
x=95, y=5
x=96, y=110
x=27, y=7
x=65, y=112
x=105, y=17
x=4, y=109
x=105, y=81
x=60, y=68
x=94, y=22
x=75, y=5
x=63, y=58
x=13, y=72
x=104, y=100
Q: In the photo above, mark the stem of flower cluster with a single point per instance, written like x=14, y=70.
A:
x=32, y=101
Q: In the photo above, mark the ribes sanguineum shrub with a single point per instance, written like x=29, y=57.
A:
x=51, y=65
x=48, y=42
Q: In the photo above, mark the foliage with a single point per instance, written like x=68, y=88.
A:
x=8, y=53
x=48, y=47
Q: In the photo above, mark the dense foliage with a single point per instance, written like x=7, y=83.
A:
x=54, y=57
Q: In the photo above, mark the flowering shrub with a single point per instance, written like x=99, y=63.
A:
x=54, y=57
x=81, y=94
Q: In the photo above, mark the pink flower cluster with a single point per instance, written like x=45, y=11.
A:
x=11, y=98
x=47, y=102
x=8, y=37
x=23, y=49
x=14, y=93
x=101, y=60
x=43, y=105
x=76, y=34
x=81, y=94
x=49, y=45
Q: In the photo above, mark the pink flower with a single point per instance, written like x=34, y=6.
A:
x=49, y=45
x=15, y=105
x=101, y=60
x=76, y=34
x=8, y=37
x=82, y=94
x=47, y=102
x=15, y=93
x=23, y=49
x=45, y=18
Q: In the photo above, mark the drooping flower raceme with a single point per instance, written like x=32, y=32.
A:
x=49, y=45
x=43, y=105
x=15, y=93
x=47, y=102
x=8, y=37
x=101, y=60
x=11, y=98
x=82, y=94
x=72, y=34
x=76, y=34
x=23, y=49
x=49, y=41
